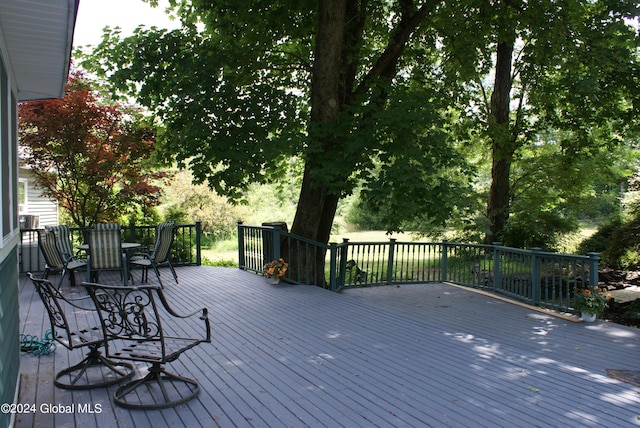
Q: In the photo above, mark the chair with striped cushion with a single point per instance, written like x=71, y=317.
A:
x=105, y=252
x=54, y=260
x=63, y=240
x=159, y=255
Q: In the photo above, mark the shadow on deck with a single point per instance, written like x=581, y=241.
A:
x=414, y=355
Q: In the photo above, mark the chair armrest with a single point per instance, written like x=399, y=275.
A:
x=142, y=255
x=203, y=311
x=72, y=301
x=69, y=259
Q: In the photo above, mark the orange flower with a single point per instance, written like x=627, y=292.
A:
x=276, y=268
x=587, y=292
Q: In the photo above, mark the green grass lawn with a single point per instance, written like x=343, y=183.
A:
x=221, y=253
x=375, y=236
x=226, y=252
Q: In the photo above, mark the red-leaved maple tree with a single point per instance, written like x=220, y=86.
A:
x=89, y=155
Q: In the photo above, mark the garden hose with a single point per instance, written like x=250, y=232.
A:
x=34, y=345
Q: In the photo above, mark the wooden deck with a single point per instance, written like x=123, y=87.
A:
x=416, y=356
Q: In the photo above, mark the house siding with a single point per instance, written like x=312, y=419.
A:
x=9, y=333
x=9, y=310
x=35, y=53
x=38, y=204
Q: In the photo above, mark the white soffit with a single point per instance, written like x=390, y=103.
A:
x=38, y=36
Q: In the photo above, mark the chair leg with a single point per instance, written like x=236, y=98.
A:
x=173, y=390
x=96, y=372
x=72, y=277
x=173, y=271
x=155, y=268
x=62, y=274
x=45, y=275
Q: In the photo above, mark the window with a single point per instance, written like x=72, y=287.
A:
x=22, y=196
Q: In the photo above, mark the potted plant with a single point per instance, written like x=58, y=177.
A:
x=589, y=304
x=275, y=269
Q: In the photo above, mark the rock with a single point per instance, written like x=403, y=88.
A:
x=627, y=294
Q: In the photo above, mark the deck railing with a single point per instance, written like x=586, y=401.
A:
x=186, y=249
x=536, y=277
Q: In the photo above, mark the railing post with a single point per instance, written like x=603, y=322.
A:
x=132, y=232
x=535, y=274
x=444, y=251
x=333, y=265
x=198, y=243
x=240, y=245
x=276, y=242
x=390, y=260
x=344, y=253
x=497, y=275
x=594, y=258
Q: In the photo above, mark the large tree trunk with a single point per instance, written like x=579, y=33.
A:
x=333, y=85
x=317, y=205
x=336, y=63
x=502, y=146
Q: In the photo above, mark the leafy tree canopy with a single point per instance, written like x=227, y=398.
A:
x=91, y=156
x=239, y=89
x=389, y=96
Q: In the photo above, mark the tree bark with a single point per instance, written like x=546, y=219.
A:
x=502, y=146
x=340, y=26
x=317, y=206
x=336, y=64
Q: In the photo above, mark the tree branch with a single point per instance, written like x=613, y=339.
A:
x=387, y=62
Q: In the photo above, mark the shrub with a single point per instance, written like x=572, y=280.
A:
x=617, y=242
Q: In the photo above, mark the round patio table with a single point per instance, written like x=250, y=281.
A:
x=124, y=245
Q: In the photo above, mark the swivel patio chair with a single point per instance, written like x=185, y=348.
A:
x=159, y=255
x=94, y=371
x=54, y=259
x=105, y=252
x=139, y=325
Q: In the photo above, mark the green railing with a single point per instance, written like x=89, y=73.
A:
x=536, y=277
x=186, y=249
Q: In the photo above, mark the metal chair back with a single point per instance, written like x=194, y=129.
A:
x=133, y=321
x=94, y=371
x=57, y=306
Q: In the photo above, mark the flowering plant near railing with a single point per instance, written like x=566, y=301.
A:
x=588, y=302
x=276, y=268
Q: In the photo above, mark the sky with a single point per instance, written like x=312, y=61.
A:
x=94, y=15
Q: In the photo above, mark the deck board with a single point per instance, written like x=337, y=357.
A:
x=415, y=355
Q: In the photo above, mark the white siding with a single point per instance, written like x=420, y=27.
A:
x=37, y=204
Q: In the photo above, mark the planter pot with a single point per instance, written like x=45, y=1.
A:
x=273, y=280
x=588, y=317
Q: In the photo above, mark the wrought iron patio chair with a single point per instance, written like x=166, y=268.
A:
x=105, y=252
x=94, y=371
x=54, y=259
x=159, y=255
x=139, y=325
